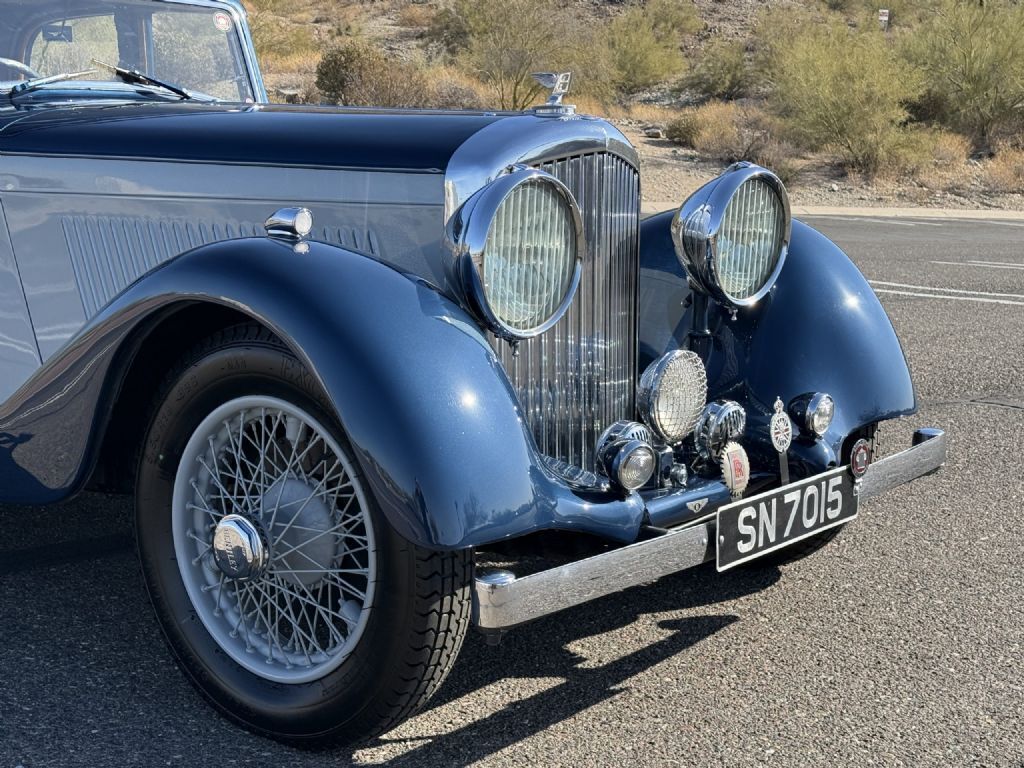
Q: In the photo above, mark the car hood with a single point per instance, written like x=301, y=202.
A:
x=417, y=141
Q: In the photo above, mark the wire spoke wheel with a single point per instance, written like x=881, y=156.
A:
x=273, y=539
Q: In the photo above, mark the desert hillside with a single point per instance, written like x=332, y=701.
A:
x=925, y=110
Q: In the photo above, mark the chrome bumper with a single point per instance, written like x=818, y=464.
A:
x=501, y=601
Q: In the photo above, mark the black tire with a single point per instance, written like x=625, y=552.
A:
x=421, y=604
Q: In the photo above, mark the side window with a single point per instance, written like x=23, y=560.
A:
x=72, y=45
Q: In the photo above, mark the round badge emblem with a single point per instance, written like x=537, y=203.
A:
x=781, y=428
x=222, y=21
x=735, y=468
x=860, y=458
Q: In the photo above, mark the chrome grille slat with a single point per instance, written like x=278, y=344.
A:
x=580, y=377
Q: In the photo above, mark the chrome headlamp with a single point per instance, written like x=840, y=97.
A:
x=625, y=454
x=672, y=393
x=733, y=234
x=519, y=251
x=813, y=412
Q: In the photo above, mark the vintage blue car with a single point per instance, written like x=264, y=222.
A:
x=343, y=358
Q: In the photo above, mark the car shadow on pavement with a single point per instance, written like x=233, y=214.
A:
x=105, y=687
x=542, y=650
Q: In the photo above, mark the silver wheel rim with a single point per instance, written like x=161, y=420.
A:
x=262, y=464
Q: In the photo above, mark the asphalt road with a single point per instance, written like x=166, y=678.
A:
x=901, y=644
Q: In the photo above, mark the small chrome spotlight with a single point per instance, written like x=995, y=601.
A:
x=290, y=223
x=626, y=455
x=672, y=393
x=721, y=421
x=814, y=412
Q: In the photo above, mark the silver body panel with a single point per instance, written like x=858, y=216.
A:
x=84, y=229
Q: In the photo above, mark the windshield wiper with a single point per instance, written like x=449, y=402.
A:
x=134, y=77
x=39, y=82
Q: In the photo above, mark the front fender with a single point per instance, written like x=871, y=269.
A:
x=434, y=422
x=820, y=329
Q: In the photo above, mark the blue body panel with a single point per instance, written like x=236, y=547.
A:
x=435, y=424
x=244, y=134
x=821, y=329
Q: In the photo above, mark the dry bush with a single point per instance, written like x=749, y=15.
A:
x=357, y=74
x=503, y=44
x=722, y=72
x=279, y=44
x=780, y=157
x=1005, y=172
x=683, y=130
x=416, y=16
x=722, y=130
x=935, y=158
x=729, y=132
x=453, y=89
x=973, y=54
x=844, y=90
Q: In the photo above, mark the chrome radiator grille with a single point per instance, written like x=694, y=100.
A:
x=580, y=377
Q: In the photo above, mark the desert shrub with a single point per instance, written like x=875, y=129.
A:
x=278, y=43
x=729, y=131
x=1005, y=171
x=721, y=130
x=643, y=42
x=416, y=16
x=358, y=74
x=973, y=54
x=844, y=90
x=935, y=158
x=683, y=129
x=722, y=71
x=778, y=156
x=503, y=44
x=451, y=26
x=453, y=90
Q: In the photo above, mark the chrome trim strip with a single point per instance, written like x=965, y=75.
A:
x=505, y=605
x=926, y=456
x=501, y=605
x=526, y=140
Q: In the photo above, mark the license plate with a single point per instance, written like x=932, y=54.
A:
x=754, y=527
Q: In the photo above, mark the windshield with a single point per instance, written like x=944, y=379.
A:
x=195, y=47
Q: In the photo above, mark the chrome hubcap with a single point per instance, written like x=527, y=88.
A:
x=273, y=539
x=238, y=549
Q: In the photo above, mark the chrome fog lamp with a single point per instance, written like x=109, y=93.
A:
x=814, y=412
x=733, y=234
x=721, y=422
x=518, y=245
x=625, y=454
x=672, y=393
